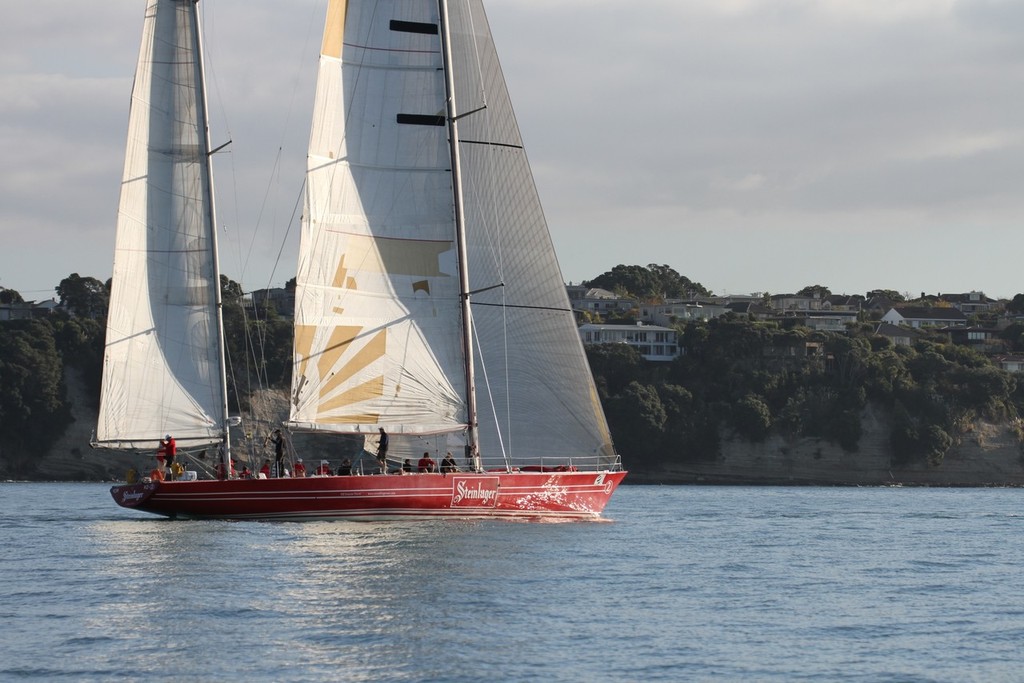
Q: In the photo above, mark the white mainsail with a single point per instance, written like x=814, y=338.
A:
x=163, y=365
x=378, y=322
x=377, y=293
x=537, y=376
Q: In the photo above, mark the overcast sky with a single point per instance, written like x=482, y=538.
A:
x=752, y=145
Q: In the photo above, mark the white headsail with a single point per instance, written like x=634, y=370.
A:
x=163, y=365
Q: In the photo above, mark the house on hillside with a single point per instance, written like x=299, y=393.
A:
x=1011, y=362
x=823, y=321
x=597, y=301
x=971, y=302
x=681, y=311
x=899, y=335
x=28, y=310
x=653, y=342
x=792, y=353
x=795, y=302
x=981, y=339
x=843, y=302
x=753, y=309
x=919, y=317
x=282, y=299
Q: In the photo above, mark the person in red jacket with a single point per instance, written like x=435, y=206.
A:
x=165, y=454
x=220, y=470
x=300, y=469
x=427, y=464
x=325, y=469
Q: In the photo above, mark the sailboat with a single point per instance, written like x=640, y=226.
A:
x=429, y=302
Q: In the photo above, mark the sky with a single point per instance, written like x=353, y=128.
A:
x=751, y=145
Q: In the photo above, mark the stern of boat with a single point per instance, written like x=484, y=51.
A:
x=133, y=495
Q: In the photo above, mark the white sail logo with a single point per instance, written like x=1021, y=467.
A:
x=475, y=492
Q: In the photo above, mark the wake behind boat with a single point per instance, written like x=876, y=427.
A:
x=429, y=301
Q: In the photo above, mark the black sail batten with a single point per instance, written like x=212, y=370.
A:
x=413, y=27
x=422, y=119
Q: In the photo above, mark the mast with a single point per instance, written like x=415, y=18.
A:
x=472, y=446
x=218, y=295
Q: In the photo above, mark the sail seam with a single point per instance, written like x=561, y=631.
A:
x=522, y=306
x=390, y=49
x=490, y=143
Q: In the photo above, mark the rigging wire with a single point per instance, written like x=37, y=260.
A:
x=254, y=321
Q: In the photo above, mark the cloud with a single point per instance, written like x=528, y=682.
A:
x=659, y=131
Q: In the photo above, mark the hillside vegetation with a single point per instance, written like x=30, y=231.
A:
x=739, y=384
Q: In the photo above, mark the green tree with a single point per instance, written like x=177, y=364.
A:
x=10, y=296
x=752, y=418
x=935, y=442
x=637, y=418
x=32, y=410
x=86, y=297
x=1016, y=304
x=616, y=364
x=820, y=291
x=653, y=283
x=890, y=294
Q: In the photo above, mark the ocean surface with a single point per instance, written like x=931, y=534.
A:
x=680, y=583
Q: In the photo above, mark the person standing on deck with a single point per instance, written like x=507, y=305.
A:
x=165, y=454
x=382, y=451
x=278, y=440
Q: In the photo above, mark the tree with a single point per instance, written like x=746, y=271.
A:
x=637, y=418
x=1014, y=335
x=935, y=442
x=816, y=291
x=10, y=296
x=752, y=417
x=653, y=283
x=616, y=364
x=890, y=294
x=230, y=291
x=86, y=297
x=80, y=342
x=32, y=410
x=1016, y=304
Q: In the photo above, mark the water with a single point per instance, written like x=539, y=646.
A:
x=685, y=583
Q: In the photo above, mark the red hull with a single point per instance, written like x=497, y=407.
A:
x=521, y=495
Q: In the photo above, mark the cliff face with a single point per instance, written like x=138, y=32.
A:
x=991, y=455
x=71, y=458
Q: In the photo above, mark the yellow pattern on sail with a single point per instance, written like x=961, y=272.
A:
x=341, y=337
x=341, y=278
x=372, y=351
x=334, y=29
x=303, y=347
x=419, y=258
x=363, y=392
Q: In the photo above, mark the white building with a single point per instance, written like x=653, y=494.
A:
x=673, y=311
x=918, y=317
x=653, y=342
